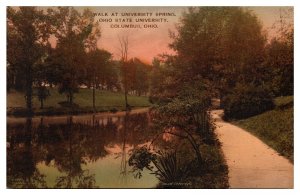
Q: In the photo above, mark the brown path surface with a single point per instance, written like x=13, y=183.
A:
x=251, y=163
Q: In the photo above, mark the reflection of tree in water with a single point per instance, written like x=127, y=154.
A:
x=81, y=143
x=68, y=147
x=70, y=162
x=123, y=153
x=21, y=161
x=134, y=131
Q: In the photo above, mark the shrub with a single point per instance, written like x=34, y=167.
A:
x=67, y=104
x=247, y=100
x=20, y=112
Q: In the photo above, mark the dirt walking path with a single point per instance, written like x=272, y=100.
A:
x=251, y=163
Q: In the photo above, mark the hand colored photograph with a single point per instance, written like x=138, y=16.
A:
x=150, y=97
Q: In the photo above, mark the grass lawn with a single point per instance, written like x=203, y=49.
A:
x=274, y=127
x=105, y=101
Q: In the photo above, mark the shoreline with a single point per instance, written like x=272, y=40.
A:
x=75, y=112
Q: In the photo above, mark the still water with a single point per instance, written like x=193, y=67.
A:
x=89, y=151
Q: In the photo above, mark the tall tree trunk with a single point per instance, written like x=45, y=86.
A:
x=126, y=102
x=42, y=103
x=29, y=89
x=94, y=107
x=94, y=88
x=126, y=92
x=71, y=98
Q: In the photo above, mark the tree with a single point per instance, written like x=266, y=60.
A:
x=137, y=76
x=141, y=83
x=112, y=75
x=280, y=64
x=75, y=33
x=124, y=63
x=42, y=94
x=156, y=81
x=197, y=42
x=91, y=46
x=246, y=100
x=217, y=48
x=98, y=63
x=72, y=57
x=280, y=56
x=222, y=41
x=40, y=80
x=28, y=33
x=50, y=70
x=244, y=50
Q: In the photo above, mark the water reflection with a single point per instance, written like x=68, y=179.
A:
x=76, y=152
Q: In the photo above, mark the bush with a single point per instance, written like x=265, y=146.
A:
x=113, y=110
x=66, y=104
x=246, y=101
x=20, y=112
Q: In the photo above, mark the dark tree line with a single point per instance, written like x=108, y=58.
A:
x=219, y=50
x=224, y=51
x=57, y=47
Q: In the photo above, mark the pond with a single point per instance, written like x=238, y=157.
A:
x=88, y=151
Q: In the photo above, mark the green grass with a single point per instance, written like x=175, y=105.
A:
x=284, y=100
x=274, y=127
x=105, y=101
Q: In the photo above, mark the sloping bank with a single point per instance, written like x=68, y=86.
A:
x=274, y=127
x=55, y=104
x=251, y=163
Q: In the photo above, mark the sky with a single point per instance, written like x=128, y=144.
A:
x=146, y=43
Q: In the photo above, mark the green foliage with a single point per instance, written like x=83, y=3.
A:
x=189, y=110
x=141, y=158
x=30, y=52
x=68, y=86
x=247, y=100
x=43, y=92
x=136, y=74
x=100, y=70
x=280, y=64
x=156, y=79
x=180, y=170
x=221, y=45
x=169, y=170
x=186, y=117
x=28, y=33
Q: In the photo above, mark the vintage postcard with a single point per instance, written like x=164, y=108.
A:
x=150, y=97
